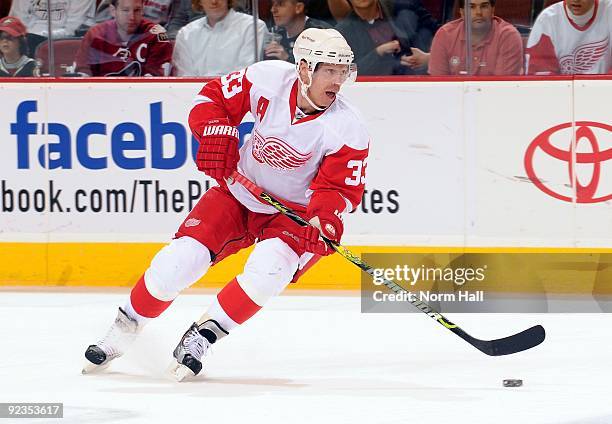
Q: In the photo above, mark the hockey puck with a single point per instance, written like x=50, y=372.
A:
x=511, y=382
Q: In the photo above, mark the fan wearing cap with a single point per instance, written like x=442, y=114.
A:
x=13, y=50
x=308, y=146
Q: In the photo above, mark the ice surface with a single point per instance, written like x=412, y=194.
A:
x=305, y=359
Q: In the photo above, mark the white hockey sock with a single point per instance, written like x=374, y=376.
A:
x=130, y=312
x=216, y=312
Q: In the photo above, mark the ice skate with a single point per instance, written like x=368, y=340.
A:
x=194, y=345
x=121, y=334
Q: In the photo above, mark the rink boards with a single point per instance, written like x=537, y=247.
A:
x=96, y=176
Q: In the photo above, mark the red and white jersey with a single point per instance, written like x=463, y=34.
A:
x=557, y=45
x=287, y=155
x=104, y=53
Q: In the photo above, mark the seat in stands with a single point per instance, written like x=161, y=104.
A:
x=64, y=51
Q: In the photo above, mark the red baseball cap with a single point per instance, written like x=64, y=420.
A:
x=13, y=26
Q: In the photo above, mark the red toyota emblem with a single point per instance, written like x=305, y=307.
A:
x=594, y=134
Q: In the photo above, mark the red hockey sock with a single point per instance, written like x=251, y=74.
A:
x=236, y=303
x=144, y=303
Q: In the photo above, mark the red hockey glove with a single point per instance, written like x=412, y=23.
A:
x=309, y=236
x=323, y=214
x=218, y=153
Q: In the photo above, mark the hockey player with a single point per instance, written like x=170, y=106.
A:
x=571, y=37
x=308, y=147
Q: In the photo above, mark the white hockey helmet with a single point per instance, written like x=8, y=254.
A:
x=317, y=45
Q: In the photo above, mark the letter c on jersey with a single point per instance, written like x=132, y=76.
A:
x=543, y=157
x=139, y=52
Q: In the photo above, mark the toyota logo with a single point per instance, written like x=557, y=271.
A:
x=561, y=171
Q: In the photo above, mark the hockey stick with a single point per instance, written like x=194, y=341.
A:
x=512, y=344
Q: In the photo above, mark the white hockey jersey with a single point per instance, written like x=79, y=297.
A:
x=66, y=15
x=158, y=11
x=557, y=45
x=288, y=156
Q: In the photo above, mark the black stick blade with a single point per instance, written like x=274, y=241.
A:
x=508, y=345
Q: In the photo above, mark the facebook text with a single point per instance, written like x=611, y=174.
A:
x=139, y=196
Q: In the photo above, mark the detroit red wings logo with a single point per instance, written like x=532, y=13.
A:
x=277, y=154
x=584, y=58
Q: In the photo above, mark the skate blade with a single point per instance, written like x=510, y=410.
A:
x=179, y=372
x=91, y=368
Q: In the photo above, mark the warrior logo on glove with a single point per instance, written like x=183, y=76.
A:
x=323, y=213
x=218, y=152
x=330, y=229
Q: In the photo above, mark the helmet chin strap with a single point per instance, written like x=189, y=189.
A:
x=304, y=90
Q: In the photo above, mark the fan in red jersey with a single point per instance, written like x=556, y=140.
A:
x=127, y=45
x=572, y=37
x=309, y=147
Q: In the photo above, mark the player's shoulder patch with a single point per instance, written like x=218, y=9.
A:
x=159, y=31
x=348, y=124
x=271, y=74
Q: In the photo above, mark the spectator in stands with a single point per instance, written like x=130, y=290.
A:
x=380, y=41
x=290, y=20
x=14, y=61
x=497, y=48
x=182, y=14
x=66, y=16
x=571, y=37
x=330, y=11
x=221, y=42
x=127, y=45
x=157, y=11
